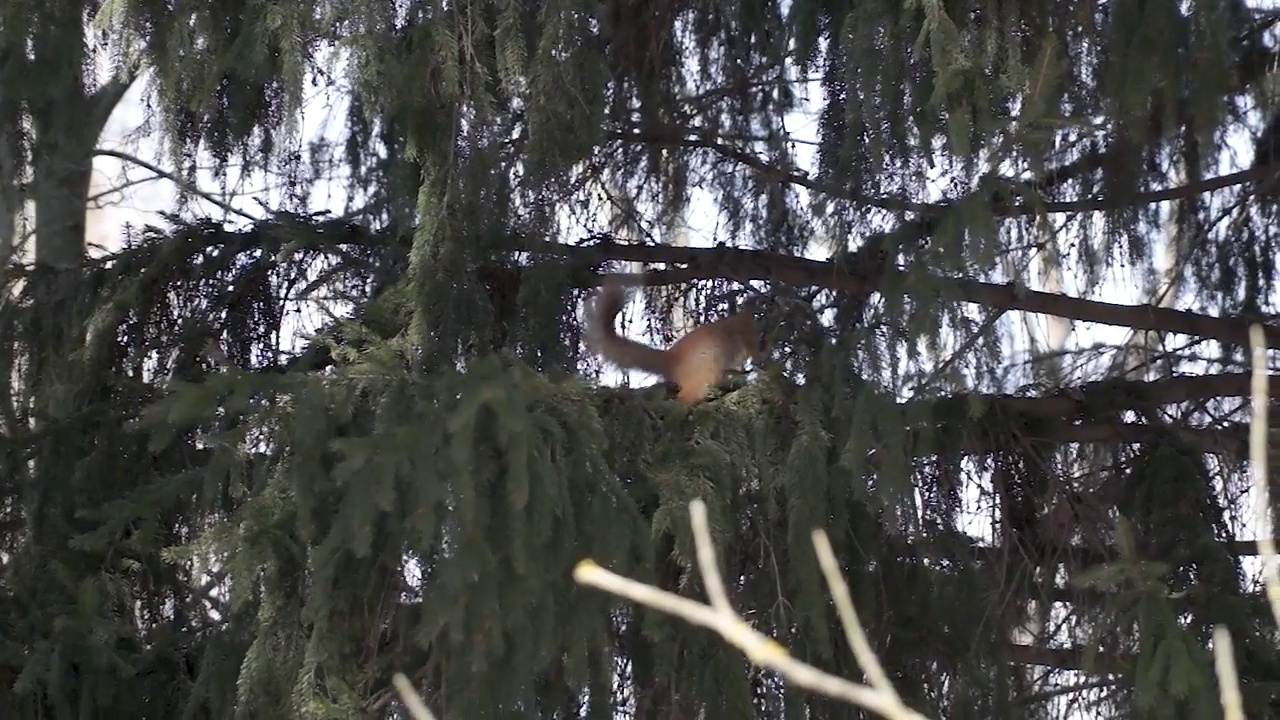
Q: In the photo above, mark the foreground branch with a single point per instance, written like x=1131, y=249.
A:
x=879, y=696
x=1224, y=661
x=1259, y=461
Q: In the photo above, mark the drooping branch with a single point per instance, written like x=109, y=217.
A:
x=1254, y=63
x=1071, y=415
x=689, y=138
x=1230, y=440
x=1111, y=395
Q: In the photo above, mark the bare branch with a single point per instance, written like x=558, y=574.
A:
x=758, y=648
x=1223, y=650
x=707, y=559
x=1224, y=665
x=176, y=180
x=1258, y=427
x=412, y=702
x=862, y=651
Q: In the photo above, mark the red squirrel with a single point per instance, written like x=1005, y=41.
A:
x=694, y=363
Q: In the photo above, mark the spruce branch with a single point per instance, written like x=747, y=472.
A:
x=760, y=649
x=779, y=171
x=862, y=277
x=742, y=265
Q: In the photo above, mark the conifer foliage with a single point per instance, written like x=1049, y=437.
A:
x=211, y=513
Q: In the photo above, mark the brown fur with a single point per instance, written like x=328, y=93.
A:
x=694, y=363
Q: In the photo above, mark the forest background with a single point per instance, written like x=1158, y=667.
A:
x=328, y=417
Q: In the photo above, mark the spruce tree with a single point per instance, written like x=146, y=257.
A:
x=202, y=521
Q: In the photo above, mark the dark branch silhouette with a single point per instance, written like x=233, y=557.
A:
x=744, y=265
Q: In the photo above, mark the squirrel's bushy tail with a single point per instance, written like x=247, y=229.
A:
x=603, y=339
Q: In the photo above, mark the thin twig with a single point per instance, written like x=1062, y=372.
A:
x=176, y=179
